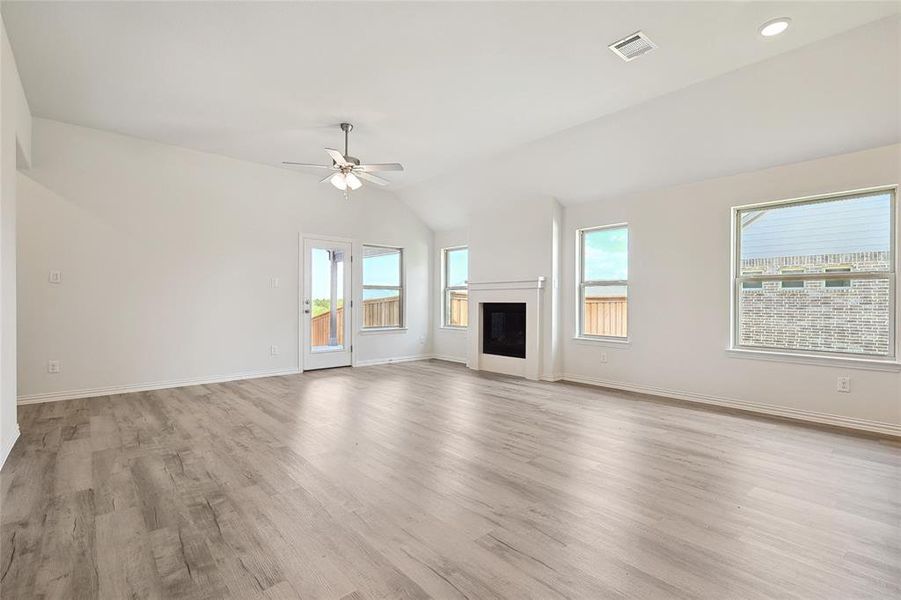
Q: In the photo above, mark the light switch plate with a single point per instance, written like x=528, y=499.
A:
x=55, y=277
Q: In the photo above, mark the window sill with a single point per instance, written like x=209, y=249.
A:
x=602, y=341
x=457, y=329
x=374, y=330
x=868, y=364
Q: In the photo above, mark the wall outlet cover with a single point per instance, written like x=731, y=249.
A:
x=843, y=384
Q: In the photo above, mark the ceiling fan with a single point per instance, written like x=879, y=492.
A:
x=347, y=169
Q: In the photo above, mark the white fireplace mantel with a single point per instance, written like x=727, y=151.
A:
x=528, y=291
x=516, y=284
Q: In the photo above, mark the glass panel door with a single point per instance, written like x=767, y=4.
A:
x=326, y=304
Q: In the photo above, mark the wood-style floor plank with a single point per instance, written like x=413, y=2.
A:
x=427, y=480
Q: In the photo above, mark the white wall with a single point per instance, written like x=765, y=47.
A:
x=680, y=291
x=517, y=242
x=833, y=98
x=15, y=150
x=447, y=343
x=166, y=256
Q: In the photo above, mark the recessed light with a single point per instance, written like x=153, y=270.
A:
x=774, y=26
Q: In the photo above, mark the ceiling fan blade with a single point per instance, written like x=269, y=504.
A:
x=297, y=164
x=327, y=177
x=337, y=157
x=380, y=167
x=371, y=177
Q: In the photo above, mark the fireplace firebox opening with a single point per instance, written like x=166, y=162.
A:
x=504, y=329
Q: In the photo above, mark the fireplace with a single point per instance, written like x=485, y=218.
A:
x=504, y=329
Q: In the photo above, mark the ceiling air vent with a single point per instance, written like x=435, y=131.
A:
x=633, y=46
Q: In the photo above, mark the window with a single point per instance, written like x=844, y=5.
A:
x=752, y=284
x=456, y=294
x=838, y=283
x=790, y=284
x=383, y=291
x=842, y=275
x=603, y=281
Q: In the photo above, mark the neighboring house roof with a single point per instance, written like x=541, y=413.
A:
x=836, y=227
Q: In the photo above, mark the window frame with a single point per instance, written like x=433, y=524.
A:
x=838, y=269
x=445, y=288
x=737, y=279
x=788, y=271
x=582, y=284
x=758, y=285
x=402, y=304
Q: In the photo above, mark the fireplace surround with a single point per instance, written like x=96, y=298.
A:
x=528, y=295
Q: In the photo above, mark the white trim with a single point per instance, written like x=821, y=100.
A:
x=4, y=452
x=385, y=361
x=888, y=429
x=454, y=359
x=602, y=341
x=867, y=364
x=146, y=387
x=371, y=330
x=552, y=377
x=515, y=284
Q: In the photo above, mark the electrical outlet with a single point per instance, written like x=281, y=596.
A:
x=53, y=366
x=843, y=384
x=273, y=350
x=55, y=277
x=603, y=358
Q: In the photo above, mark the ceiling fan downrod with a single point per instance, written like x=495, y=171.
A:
x=346, y=128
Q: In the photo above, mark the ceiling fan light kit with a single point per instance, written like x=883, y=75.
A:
x=347, y=169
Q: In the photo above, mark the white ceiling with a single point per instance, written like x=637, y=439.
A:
x=433, y=85
x=834, y=96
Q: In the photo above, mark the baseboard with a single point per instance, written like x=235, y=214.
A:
x=146, y=387
x=879, y=427
x=387, y=361
x=448, y=358
x=8, y=447
x=551, y=377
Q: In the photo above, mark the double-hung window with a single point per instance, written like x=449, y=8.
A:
x=383, y=287
x=456, y=295
x=836, y=254
x=603, y=282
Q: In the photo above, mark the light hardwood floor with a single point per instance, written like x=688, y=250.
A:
x=425, y=480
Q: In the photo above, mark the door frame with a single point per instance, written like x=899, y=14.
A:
x=350, y=295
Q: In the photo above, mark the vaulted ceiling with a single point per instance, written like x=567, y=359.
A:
x=437, y=86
